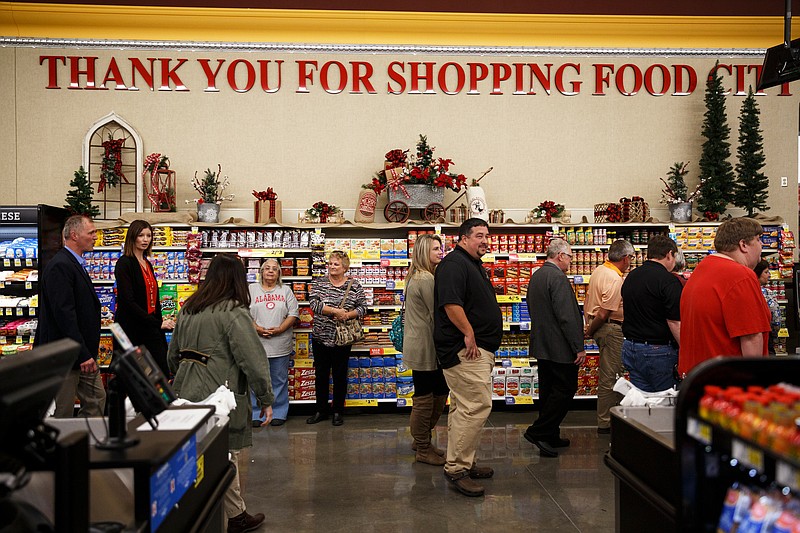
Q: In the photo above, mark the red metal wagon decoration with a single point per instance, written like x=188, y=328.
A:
x=416, y=184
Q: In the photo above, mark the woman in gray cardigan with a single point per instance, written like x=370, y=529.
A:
x=419, y=353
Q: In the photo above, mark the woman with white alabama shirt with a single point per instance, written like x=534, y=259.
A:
x=274, y=309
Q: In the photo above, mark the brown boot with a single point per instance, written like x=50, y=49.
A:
x=439, y=405
x=420, y=430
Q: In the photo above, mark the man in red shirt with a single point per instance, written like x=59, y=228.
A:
x=722, y=309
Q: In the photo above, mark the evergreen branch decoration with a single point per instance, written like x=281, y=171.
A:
x=79, y=199
x=750, y=191
x=716, y=172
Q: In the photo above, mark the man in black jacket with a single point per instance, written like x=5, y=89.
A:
x=70, y=309
x=557, y=345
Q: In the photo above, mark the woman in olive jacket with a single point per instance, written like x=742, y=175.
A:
x=215, y=343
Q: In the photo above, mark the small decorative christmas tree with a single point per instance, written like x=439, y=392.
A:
x=750, y=192
x=79, y=199
x=716, y=172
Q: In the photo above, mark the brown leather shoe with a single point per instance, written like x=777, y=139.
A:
x=464, y=484
x=245, y=522
x=481, y=472
x=438, y=451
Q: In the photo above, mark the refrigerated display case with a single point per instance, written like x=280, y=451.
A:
x=29, y=237
x=673, y=466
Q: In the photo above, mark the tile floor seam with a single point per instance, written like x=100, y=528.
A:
x=552, y=498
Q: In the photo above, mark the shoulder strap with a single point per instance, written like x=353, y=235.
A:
x=346, y=292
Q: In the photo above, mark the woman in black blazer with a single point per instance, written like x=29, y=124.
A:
x=138, y=306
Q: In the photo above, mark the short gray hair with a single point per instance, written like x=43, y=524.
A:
x=557, y=246
x=73, y=224
x=619, y=249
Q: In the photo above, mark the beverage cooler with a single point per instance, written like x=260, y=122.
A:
x=29, y=237
x=726, y=457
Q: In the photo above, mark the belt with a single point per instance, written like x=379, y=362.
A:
x=610, y=320
x=653, y=343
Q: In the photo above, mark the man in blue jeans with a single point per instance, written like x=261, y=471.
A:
x=652, y=326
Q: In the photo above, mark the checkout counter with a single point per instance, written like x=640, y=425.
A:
x=173, y=479
x=672, y=469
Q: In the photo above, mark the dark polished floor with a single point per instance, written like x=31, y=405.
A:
x=362, y=477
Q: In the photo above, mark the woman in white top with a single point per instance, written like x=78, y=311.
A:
x=419, y=353
x=273, y=307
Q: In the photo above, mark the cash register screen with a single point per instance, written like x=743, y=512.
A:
x=28, y=383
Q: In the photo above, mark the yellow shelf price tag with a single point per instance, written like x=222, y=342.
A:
x=7, y=262
x=2, y=339
x=28, y=285
x=699, y=430
x=488, y=258
x=783, y=333
x=521, y=362
x=395, y=262
x=787, y=475
x=747, y=454
x=304, y=363
x=28, y=262
x=17, y=262
x=509, y=299
x=20, y=311
x=383, y=351
x=506, y=326
x=261, y=252
x=519, y=400
x=361, y=403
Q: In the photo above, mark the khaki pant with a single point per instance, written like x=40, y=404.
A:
x=89, y=390
x=234, y=502
x=609, y=339
x=470, y=385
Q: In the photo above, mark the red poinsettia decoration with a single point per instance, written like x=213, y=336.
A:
x=422, y=169
x=265, y=196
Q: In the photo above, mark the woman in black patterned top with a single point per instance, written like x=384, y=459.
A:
x=326, y=297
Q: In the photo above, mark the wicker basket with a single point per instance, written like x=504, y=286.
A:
x=640, y=211
x=419, y=196
x=601, y=213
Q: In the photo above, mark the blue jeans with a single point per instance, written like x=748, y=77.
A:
x=279, y=377
x=650, y=365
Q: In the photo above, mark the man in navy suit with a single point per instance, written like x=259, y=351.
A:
x=69, y=308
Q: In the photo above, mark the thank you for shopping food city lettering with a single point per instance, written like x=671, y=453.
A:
x=306, y=76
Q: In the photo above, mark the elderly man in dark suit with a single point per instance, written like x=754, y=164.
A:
x=557, y=344
x=69, y=308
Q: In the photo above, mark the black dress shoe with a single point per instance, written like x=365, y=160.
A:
x=277, y=422
x=256, y=423
x=316, y=419
x=545, y=450
x=338, y=420
x=558, y=442
x=604, y=431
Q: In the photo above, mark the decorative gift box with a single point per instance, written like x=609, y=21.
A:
x=265, y=210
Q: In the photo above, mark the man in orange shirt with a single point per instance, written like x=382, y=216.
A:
x=722, y=309
x=603, y=314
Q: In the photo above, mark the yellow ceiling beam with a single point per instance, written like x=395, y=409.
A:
x=71, y=21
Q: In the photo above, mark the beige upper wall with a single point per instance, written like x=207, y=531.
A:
x=576, y=150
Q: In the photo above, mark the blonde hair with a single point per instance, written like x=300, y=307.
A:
x=342, y=257
x=261, y=270
x=421, y=260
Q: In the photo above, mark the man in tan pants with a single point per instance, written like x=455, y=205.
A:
x=468, y=327
x=603, y=314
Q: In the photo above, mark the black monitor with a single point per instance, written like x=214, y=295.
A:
x=781, y=65
x=29, y=381
x=137, y=376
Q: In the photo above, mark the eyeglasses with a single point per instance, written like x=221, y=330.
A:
x=632, y=256
x=568, y=255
